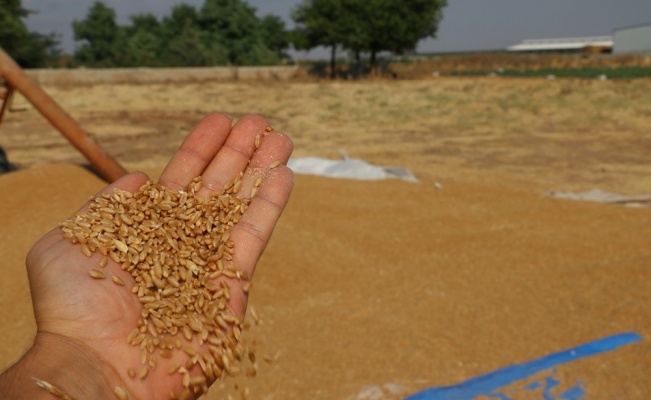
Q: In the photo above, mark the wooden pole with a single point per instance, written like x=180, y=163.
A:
x=5, y=98
x=107, y=167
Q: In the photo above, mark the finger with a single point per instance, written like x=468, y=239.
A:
x=235, y=154
x=130, y=183
x=254, y=229
x=197, y=151
x=275, y=150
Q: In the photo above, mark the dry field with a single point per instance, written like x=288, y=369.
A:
x=392, y=283
x=518, y=62
x=555, y=135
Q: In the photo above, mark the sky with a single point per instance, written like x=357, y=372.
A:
x=467, y=25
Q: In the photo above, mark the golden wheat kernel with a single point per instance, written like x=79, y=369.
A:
x=151, y=329
x=143, y=372
x=187, y=332
x=160, y=326
x=48, y=387
x=140, y=338
x=147, y=299
x=237, y=186
x=131, y=372
x=132, y=335
x=86, y=250
x=103, y=261
x=198, y=380
x=96, y=274
x=120, y=245
x=159, y=283
x=148, y=281
x=126, y=219
x=275, y=164
x=195, y=326
x=120, y=393
x=173, y=368
x=117, y=280
x=186, y=377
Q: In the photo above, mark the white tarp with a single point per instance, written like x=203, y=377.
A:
x=347, y=168
x=601, y=196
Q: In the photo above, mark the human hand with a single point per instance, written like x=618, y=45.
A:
x=82, y=325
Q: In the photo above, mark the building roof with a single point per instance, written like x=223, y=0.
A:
x=630, y=27
x=574, y=43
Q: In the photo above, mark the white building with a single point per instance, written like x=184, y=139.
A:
x=632, y=39
x=573, y=44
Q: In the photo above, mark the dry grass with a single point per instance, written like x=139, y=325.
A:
x=565, y=134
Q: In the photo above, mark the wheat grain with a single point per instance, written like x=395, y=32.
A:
x=96, y=274
x=177, y=248
x=117, y=280
x=121, y=393
x=275, y=164
x=50, y=388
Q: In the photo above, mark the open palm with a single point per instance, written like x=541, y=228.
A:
x=97, y=316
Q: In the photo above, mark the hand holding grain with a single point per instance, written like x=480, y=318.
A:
x=134, y=311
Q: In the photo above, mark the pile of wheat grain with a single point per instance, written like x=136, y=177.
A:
x=177, y=248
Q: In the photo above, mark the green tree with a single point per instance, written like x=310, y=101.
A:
x=320, y=23
x=143, y=41
x=188, y=49
x=28, y=49
x=274, y=35
x=182, y=15
x=371, y=26
x=103, y=41
x=181, y=33
x=394, y=26
x=225, y=32
x=234, y=25
x=231, y=23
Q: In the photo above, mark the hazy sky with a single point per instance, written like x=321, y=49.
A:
x=467, y=24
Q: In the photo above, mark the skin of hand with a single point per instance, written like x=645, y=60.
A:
x=82, y=324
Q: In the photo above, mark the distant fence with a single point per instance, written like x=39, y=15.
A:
x=82, y=76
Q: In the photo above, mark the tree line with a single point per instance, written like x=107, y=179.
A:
x=226, y=32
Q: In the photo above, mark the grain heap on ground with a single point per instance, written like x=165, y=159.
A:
x=177, y=248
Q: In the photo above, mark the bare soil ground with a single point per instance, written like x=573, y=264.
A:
x=393, y=283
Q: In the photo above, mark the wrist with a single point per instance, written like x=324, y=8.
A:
x=64, y=364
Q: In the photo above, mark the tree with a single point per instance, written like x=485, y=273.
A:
x=143, y=41
x=395, y=26
x=222, y=32
x=274, y=35
x=103, y=41
x=319, y=23
x=28, y=49
x=232, y=23
x=182, y=15
x=188, y=49
x=369, y=26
